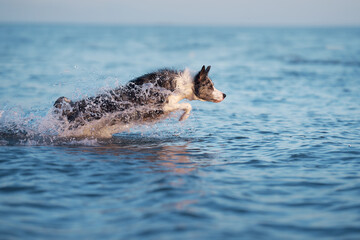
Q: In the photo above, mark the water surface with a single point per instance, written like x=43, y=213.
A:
x=279, y=158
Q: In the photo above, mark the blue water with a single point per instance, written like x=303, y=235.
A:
x=279, y=158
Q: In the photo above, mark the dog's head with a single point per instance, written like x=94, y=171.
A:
x=204, y=88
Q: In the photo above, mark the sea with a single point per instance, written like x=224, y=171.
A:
x=279, y=158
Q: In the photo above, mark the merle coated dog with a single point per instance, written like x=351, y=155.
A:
x=148, y=98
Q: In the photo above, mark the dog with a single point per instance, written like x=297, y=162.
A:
x=148, y=98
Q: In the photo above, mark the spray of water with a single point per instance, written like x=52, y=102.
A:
x=90, y=121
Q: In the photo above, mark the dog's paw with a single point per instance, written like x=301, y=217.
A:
x=184, y=116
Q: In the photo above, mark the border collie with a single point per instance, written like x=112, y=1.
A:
x=148, y=98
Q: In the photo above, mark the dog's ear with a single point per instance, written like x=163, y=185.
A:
x=202, y=71
x=207, y=70
x=202, y=74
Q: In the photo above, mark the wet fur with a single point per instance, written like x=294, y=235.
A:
x=147, y=98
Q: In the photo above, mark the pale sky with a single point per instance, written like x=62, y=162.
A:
x=184, y=12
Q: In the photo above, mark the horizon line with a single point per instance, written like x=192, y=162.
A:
x=173, y=24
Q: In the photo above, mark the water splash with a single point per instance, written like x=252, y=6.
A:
x=26, y=127
x=112, y=111
x=49, y=127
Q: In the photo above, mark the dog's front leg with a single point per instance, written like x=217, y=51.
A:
x=186, y=107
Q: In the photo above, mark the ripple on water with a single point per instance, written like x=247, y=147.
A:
x=17, y=188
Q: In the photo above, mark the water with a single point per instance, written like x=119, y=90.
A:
x=279, y=158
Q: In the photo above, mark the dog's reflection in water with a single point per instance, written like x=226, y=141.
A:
x=165, y=158
x=174, y=158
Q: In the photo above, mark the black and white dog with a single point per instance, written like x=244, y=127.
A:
x=148, y=98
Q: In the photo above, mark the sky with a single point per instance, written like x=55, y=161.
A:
x=185, y=12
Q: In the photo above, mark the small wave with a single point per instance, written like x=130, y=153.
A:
x=320, y=231
x=297, y=60
x=123, y=140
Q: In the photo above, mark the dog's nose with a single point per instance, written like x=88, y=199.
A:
x=224, y=95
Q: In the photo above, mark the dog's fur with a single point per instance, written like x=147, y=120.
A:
x=148, y=98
